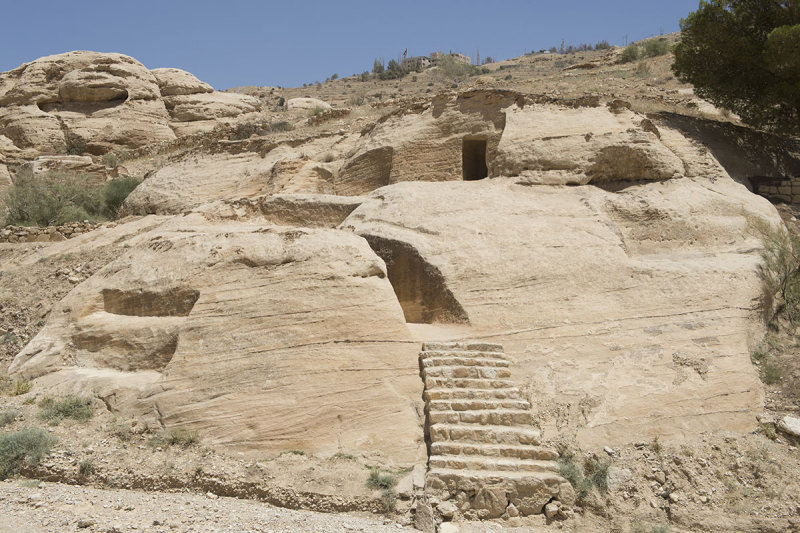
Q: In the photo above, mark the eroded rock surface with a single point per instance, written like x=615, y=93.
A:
x=259, y=338
x=99, y=102
x=586, y=288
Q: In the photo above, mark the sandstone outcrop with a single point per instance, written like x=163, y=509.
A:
x=244, y=333
x=97, y=102
x=586, y=288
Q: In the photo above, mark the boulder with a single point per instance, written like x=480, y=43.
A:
x=209, y=106
x=177, y=82
x=306, y=103
x=789, y=425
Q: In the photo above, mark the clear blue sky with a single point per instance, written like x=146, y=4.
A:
x=233, y=43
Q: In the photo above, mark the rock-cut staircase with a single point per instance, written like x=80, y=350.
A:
x=483, y=452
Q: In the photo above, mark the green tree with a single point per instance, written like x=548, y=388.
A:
x=744, y=55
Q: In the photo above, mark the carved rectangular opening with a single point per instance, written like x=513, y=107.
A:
x=473, y=159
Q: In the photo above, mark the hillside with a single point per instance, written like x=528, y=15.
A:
x=529, y=297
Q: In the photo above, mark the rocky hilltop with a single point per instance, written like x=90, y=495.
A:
x=581, y=273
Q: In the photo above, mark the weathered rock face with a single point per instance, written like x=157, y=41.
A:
x=97, y=102
x=260, y=338
x=232, y=171
x=307, y=103
x=611, y=304
x=177, y=82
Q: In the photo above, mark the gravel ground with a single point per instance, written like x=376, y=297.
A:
x=31, y=507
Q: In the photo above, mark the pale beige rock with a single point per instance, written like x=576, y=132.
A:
x=305, y=210
x=228, y=172
x=68, y=163
x=306, y=103
x=583, y=145
x=245, y=334
x=174, y=81
x=586, y=288
x=209, y=106
x=95, y=99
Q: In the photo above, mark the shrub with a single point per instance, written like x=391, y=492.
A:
x=779, y=270
x=356, y=100
x=656, y=47
x=54, y=411
x=456, y=70
x=52, y=198
x=175, y=437
x=110, y=160
x=19, y=387
x=394, y=71
x=7, y=416
x=317, y=110
x=377, y=66
x=86, y=468
x=376, y=480
x=643, y=69
x=602, y=45
x=115, y=192
x=597, y=472
x=74, y=145
x=27, y=446
x=385, y=483
x=631, y=53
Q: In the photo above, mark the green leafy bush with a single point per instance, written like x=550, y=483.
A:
x=54, y=411
x=630, y=54
x=115, y=192
x=27, y=446
x=656, y=47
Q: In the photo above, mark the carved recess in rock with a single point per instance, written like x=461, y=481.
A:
x=420, y=287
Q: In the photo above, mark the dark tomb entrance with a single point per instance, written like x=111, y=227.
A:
x=473, y=159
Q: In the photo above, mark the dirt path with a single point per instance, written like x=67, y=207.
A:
x=30, y=507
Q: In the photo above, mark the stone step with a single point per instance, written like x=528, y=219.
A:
x=466, y=372
x=499, y=356
x=537, y=453
x=467, y=383
x=497, y=464
x=462, y=346
x=485, y=434
x=512, y=393
x=470, y=480
x=477, y=405
x=499, y=417
x=428, y=362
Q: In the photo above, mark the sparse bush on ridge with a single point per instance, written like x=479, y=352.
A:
x=656, y=47
x=629, y=54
